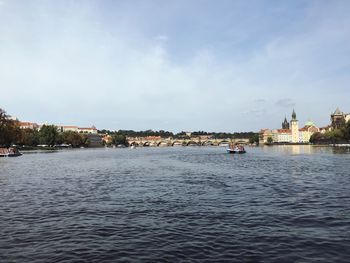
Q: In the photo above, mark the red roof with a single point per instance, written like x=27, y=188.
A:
x=28, y=124
x=284, y=131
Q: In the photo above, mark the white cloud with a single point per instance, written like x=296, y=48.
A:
x=162, y=38
x=70, y=66
x=286, y=103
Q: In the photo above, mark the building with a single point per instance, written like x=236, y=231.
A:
x=264, y=134
x=91, y=130
x=95, y=140
x=307, y=131
x=295, y=128
x=60, y=128
x=282, y=135
x=63, y=128
x=326, y=129
x=107, y=139
x=339, y=118
x=290, y=132
x=285, y=124
x=29, y=125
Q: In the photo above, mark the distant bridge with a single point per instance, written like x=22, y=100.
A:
x=144, y=142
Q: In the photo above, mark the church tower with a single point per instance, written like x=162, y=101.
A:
x=338, y=119
x=295, y=128
x=285, y=124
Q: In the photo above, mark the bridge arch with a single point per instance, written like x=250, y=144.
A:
x=193, y=143
x=208, y=143
x=146, y=144
x=177, y=143
x=241, y=142
x=163, y=143
x=134, y=144
x=224, y=142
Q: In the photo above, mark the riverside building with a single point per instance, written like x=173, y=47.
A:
x=90, y=130
x=29, y=125
x=339, y=118
x=290, y=132
x=60, y=128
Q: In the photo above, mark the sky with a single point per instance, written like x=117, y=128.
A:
x=182, y=65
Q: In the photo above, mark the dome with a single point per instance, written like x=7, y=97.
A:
x=309, y=123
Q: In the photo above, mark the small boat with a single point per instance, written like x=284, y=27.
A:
x=9, y=152
x=236, y=149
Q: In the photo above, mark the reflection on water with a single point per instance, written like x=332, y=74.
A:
x=341, y=150
x=182, y=204
x=303, y=149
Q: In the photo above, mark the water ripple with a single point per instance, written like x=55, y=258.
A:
x=176, y=205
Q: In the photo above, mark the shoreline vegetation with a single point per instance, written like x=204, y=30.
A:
x=48, y=137
x=337, y=136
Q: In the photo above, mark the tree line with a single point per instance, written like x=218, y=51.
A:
x=12, y=134
x=340, y=135
x=131, y=133
x=182, y=135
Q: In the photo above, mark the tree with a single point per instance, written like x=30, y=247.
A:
x=346, y=131
x=48, y=135
x=73, y=138
x=118, y=139
x=254, y=139
x=85, y=140
x=316, y=137
x=269, y=140
x=337, y=135
x=28, y=137
x=9, y=130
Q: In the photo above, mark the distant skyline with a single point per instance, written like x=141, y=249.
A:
x=174, y=65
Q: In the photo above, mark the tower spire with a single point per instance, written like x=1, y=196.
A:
x=285, y=124
x=295, y=128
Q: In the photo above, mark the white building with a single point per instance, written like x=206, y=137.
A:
x=91, y=130
x=292, y=135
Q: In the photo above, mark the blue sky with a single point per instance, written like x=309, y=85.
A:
x=174, y=65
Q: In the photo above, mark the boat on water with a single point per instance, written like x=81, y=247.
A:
x=9, y=152
x=238, y=149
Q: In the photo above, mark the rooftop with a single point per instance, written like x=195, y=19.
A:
x=338, y=112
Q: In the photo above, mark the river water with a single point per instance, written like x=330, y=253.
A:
x=176, y=204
